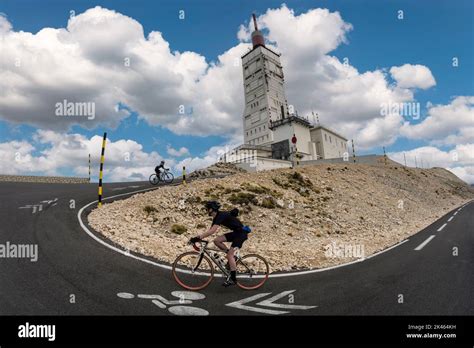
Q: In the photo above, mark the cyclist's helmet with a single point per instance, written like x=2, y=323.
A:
x=162, y=162
x=214, y=205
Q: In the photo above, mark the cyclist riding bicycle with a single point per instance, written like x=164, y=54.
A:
x=159, y=167
x=238, y=236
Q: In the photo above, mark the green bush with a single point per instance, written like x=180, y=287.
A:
x=149, y=209
x=296, y=176
x=259, y=189
x=193, y=199
x=268, y=202
x=178, y=229
x=280, y=183
x=242, y=198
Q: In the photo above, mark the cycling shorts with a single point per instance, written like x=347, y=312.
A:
x=236, y=237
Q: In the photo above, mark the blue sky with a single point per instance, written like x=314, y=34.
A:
x=431, y=34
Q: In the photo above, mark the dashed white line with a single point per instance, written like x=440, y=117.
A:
x=441, y=228
x=452, y=217
x=455, y=213
x=422, y=245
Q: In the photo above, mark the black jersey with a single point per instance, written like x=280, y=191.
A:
x=226, y=219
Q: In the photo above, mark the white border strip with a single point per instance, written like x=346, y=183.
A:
x=422, y=245
x=167, y=267
x=441, y=228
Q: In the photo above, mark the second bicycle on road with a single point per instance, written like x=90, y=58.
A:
x=165, y=176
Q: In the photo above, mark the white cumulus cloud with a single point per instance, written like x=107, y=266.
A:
x=448, y=124
x=413, y=76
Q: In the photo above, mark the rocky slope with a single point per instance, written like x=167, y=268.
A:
x=311, y=217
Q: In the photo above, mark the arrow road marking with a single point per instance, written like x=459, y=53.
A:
x=39, y=207
x=240, y=305
x=441, y=228
x=269, y=302
x=421, y=246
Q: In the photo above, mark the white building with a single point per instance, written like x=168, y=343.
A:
x=270, y=128
x=329, y=144
x=264, y=90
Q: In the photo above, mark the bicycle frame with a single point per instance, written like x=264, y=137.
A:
x=204, y=250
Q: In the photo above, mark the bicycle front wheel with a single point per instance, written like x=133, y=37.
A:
x=252, y=271
x=167, y=177
x=154, y=179
x=193, y=272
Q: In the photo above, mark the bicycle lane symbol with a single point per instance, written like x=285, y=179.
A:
x=175, y=306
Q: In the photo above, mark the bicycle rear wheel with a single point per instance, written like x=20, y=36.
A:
x=167, y=177
x=154, y=179
x=192, y=274
x=252, y=271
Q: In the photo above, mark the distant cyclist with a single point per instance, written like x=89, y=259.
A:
x=237, y=236
x=159, y=168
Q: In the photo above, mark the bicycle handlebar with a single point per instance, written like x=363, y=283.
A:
x=205, y=242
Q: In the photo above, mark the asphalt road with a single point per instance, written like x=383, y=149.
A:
x=76, y=275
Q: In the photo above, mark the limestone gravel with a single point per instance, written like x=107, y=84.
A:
x=300, y=219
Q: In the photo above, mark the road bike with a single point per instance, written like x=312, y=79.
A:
x=165, y=176
x=194, y=270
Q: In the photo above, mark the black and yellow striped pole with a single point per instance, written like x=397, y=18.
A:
x=184, y=175
x=89, y=168
x=384, y=156
x=353, y=151
x=297, y=157
x=101, y=169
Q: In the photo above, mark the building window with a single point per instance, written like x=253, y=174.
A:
x=330, y=139
x=325, y=137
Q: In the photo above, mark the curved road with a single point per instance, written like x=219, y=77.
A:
x=76, y=275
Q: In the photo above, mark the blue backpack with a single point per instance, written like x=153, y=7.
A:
x=247, y=229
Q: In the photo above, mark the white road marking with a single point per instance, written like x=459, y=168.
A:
x=188, y=295
x=441, y=228
x=452, y=217
x=164, y=300
x=269, y=302
x=240, y=305
x=186, y=310
x=159, y=304
x=119, y=188
x=125, y=295
x=422, y=245
x=455, y=213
